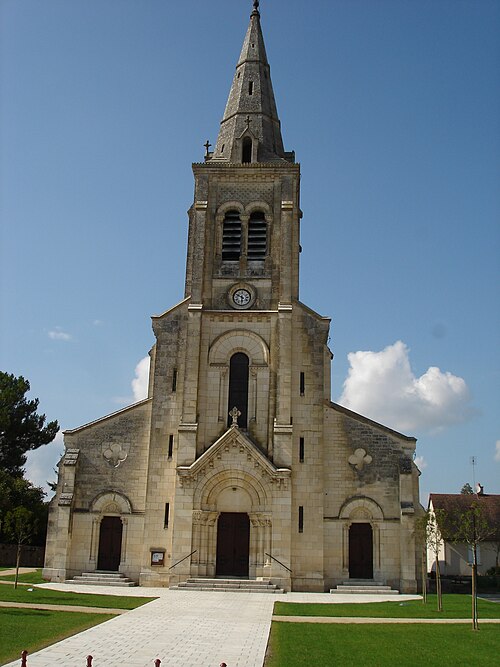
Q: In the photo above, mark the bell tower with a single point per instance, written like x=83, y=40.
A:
x=244, y=224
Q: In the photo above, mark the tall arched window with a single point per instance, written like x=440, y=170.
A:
x=231, y=237
x=257, y=236
x=246, y=154
x=238, y=388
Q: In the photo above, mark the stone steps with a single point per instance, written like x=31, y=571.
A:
x=233, y=585
x=363, y=587
x=102, y=579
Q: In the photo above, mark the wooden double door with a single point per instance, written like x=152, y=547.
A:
x=233, y=544
x=360, y=551
x=110, y=544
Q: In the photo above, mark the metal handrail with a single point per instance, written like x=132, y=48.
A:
x=278, y=561
x=180, y=561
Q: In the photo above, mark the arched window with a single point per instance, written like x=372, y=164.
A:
x=246, y=154
x=257, y=236
x=231, y=237
x=238, y=388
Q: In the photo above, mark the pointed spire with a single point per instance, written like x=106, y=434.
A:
x=250, y=129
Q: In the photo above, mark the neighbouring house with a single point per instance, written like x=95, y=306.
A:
x=455, y=557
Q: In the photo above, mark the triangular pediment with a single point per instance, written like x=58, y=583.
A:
x=235, y=447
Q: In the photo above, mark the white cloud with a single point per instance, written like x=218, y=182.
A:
x=497, y=451
x=41, y=463
x=59, y=334
x=141, y=380
x=382, y=386
x=420, y=462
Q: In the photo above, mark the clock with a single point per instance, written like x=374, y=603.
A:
x=242, y=297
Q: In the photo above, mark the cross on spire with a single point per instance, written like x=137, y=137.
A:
x=207, y=146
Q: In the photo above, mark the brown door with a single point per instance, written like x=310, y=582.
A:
x=360, y=551
x=110, y=544
x=233, y=543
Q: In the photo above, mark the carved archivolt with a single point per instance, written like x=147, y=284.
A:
x=361, y=507
x=111, y=502
x=233, y=461
x=239, y=341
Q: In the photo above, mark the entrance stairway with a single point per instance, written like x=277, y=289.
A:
x=234, y=585
x=363, y=586
x=100, y=578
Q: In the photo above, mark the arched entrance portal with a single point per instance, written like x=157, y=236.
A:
x=233, y=544
x=110, y=544
x=360, y=551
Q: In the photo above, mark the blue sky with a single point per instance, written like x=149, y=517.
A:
x=393, y=109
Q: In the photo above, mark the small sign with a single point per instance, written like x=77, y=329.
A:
x=157, y=558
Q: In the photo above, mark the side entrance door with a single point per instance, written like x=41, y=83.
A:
x=360, y=551
x=110, y=544
x=233, y=544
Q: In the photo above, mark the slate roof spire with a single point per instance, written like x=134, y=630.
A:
x=250, y=129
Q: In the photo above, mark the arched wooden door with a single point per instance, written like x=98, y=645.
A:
x=360, y=551
x=233, y=544
x=110, y=544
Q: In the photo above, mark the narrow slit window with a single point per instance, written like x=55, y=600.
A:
x=302, y=384
x=250, y=87
x=174, y=380
x=170, y=446
x=301, y=519
x=231, y=237
x=246, y=152
x=167, y=515
x=301, y=450
x=257, y=236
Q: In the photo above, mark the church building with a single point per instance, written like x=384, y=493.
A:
x=237, y=464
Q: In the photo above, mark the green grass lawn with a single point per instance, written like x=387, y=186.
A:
x=47, y=596
x=27, y=578
x=33, y=629
x=454, y=606
x=408, y=645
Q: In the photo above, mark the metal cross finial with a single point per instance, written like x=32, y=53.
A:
x=207, y=146
x=235, y=413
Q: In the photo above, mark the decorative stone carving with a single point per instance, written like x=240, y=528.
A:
x=114, y=454
x=234, y=414
x=360, y=459
x=111, y=508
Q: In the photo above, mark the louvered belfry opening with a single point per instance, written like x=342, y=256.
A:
x=238, y=387
x=257, y=236
x=231, y=237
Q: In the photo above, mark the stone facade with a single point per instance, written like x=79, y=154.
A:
x=291, y=487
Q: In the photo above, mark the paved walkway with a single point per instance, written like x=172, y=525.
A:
x=181, y=628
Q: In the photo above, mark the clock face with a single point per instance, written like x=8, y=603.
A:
x=242, y=297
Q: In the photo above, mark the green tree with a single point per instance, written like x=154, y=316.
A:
x=22, y=429
x=472, y=527
x=19, y=526
x=429, y=528
x=466, y=489
x=19, y=492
